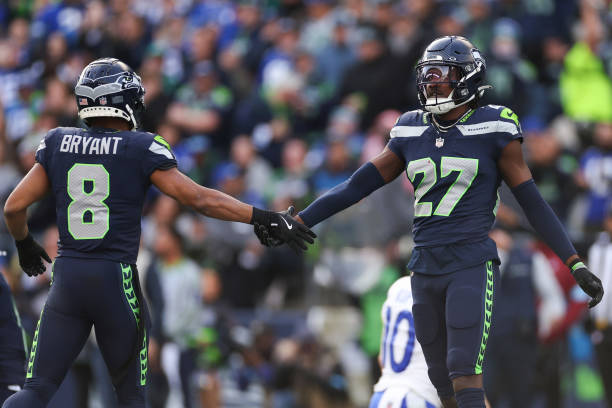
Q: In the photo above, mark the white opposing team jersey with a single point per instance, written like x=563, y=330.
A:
x=403, y=362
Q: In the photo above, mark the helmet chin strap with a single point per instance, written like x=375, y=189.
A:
x=440, y=106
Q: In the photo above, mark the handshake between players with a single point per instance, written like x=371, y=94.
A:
x=276, y=228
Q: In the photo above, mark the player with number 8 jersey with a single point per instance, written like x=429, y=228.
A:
x=99, y=177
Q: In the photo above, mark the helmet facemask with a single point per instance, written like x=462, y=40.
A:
x=464, y=86
x=433, y=80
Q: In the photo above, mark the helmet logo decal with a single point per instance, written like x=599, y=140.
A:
x=122, y=82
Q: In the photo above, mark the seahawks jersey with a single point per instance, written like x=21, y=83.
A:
x=401, y=355
x=455, y=174
x=99, y=178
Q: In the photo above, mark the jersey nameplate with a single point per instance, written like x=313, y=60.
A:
x=89, y=145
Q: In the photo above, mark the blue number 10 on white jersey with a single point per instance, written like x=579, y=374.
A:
x=404, y=378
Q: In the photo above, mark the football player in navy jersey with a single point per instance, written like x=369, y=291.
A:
x=456, y=154
x=99, y=177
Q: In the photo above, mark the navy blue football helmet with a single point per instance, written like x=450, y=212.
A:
x=456, y=61
x=108, y=87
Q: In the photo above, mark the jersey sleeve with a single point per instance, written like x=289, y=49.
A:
x=394, y=146
x=42, y=155
x=157, y=156
x=508, y=128
x=404, y=127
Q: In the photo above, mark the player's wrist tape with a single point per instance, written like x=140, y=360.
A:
x=361, y=184
x=577, y=264
x=543, y=219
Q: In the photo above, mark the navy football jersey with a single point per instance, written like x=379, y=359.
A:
x=99, y=178
x=455, y=178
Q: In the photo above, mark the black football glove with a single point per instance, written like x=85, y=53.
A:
x=589, y=283
x=276, y=228
x=30, y=254
x=264, y=236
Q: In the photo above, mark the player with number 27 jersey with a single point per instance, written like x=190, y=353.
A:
x=99, y=179
x=455, y=153
x=404, y=381
x=455, y=177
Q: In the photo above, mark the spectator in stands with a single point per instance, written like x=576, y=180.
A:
x=180, y=282
x=596, y=175
x=202, y=106
x=586, y=87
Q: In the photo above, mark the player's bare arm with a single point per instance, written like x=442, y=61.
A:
x=210, y=202
x=516, y=174
x=369, y=177
x=31, y=189
x=513, y=168
x=388, y=164
x=271, y=228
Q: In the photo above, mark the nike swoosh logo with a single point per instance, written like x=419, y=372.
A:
x=289, y=227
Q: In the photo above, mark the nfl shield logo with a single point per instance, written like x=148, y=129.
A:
x=102, y=101
x=439, y=142
x=83, y=101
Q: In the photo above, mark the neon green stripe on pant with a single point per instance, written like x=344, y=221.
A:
x=487, y=320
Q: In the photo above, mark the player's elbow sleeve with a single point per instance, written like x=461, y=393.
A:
x=361, y=184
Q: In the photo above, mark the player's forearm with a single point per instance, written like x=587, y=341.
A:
x=361, y=184
x=29, y=190
x=16, y=222
x=544, y=221
x=216, y=204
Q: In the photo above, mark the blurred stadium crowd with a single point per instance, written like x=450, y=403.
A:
x=275, y=102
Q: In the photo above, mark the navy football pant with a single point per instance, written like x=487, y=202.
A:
x=452, y=318
x=12, y=343
x=83, y=293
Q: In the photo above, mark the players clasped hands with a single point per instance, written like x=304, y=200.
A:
x=274, y=229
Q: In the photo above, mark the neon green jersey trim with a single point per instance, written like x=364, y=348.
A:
x=162, y=141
